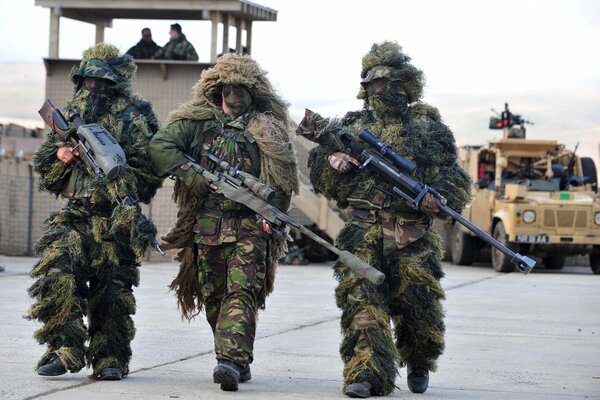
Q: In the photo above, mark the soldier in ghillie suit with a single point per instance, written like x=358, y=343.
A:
x=386, y=232
x=146, y=48
x=91, y=249
x=228, y=257
x=177, y=48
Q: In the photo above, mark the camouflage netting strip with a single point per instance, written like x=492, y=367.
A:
x=185, y=285
x=56, y=304
x=376, y=365
x=46, y=164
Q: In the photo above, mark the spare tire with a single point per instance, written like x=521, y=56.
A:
x=589, y=169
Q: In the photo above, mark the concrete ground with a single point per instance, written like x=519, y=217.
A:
x=509, y=336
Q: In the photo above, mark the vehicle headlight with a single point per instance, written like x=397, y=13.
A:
x=529, y=216
x=597, y=218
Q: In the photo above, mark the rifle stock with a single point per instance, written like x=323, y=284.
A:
x=54, y=118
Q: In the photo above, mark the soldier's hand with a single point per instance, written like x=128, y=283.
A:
x=265, y=226
x=195, y=182
x=311, y=125
x=429, y=203
x=309, y=118
x=66, y=154
x=341, y=162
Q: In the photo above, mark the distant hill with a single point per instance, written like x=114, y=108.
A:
x=21, y=91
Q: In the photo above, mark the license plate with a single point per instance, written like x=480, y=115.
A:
x=535, y=239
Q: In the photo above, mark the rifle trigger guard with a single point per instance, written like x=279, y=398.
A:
x=367, y=161
x=419, y=198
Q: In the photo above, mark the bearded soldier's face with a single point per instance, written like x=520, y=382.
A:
x=236, y=100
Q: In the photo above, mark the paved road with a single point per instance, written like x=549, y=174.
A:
x=509, y=336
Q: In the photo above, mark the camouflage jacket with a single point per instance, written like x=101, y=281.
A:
x=177, y=49
x=143, y=50
x=74, y=181
x=218, y=219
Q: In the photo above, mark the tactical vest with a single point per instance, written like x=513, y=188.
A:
x=219, y=219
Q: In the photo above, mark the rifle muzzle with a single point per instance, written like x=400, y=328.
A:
x=361, y=268
x=523, y=263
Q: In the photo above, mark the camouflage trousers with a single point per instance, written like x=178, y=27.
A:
x=232, y=279
x=410, y=297
x=82, y=274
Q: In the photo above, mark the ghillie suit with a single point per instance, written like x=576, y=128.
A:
x=386, y=232
x=91, y=249
x=227, y=261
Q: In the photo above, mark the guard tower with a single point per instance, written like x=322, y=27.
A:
x=163, y=82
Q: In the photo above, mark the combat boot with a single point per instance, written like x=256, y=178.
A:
x=417, y=378
x=228, y=375
x=360, y=390
x=245, y=375
x=54, y=367
x=111, y=374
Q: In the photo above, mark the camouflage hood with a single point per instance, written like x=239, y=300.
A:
x=270, y=125
x=103, y=61
x=232, y=69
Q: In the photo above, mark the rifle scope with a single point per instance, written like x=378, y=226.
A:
x=260, y=189
x=387, y=151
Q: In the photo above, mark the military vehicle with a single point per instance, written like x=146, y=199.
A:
x=535, y=196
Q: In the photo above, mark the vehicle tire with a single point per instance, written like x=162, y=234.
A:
x=595, y=261
x=445, y=231
x=465, y=247
x=554, y=261
x=500, y=261
x=485, y=254
x=589, y=170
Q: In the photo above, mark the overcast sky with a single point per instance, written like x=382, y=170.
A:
x=539, y=56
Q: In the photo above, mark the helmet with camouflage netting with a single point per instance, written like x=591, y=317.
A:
x=387, y=61
x=103, y=61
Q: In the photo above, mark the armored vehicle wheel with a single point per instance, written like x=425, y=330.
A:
x=500, y=261
x=589, y=170
x=554, y=261
x=595, y=261
x=464, y=247
x=445, y=231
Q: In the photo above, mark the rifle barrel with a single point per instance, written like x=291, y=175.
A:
x=523, y=263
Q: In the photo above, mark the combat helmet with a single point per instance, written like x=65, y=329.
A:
x=386, y=60
x=103, y=61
